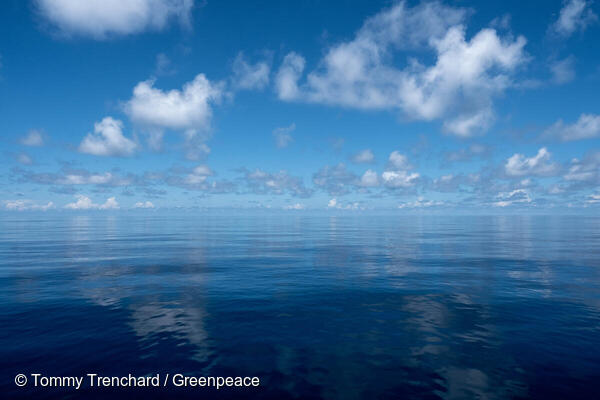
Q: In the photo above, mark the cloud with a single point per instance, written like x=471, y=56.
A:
x=262, y=182
x=335, y=180
x=198, y=175
x=586, y=127
x=333, y=203
x=421, y=202
x=188, y=110
x=250, y=76
x=107, y=140
x=26, y=205
x=458, y=87
x=563, y=71
x=399, y=179
x=363, y=157
x=538, y=165
x=85, y=203
x=397, y=174
x=164, y=66
x=70, y=176
x=102, y=19
x=144, y=204
x=398, y=160
x=593, y=199
x=466, y=154
x=287, y=77
x=514, y=197
x=584, y=171
x=296, y=206
x=576, y=15
x=283, y=136
x=34, y=139
x=369, y=179
x=24, y=159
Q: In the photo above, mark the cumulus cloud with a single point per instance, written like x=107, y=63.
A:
x=514, y=197
x=458, y=87
x=85, y=203
x=335, y=180
x=283, y=136
x=397, y=174
x=584, y=171
x=262, y=182
x=363, y=157
x=369, y=179
x=250, y=76
x=143, y=204
x=287, y=77
x=188, y=110
x=198, y=175
x=101, y=19
x=107, y=140
x=538, y=165
x=586, y=127
x=576, y=15
x=25, y=205
x=333, y=203
x=33, y=138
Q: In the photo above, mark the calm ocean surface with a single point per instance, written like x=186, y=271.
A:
x=316, y=307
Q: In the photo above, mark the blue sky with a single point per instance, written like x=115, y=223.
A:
x=408, y=106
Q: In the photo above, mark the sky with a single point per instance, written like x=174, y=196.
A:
x=400, y=106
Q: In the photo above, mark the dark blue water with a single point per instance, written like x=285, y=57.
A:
x=316, y=307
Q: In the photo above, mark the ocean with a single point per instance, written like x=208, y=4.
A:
x=315, y=307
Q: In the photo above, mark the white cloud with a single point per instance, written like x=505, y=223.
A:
x=397, y=174
x=563, y=71
x=101, y=19
x=105, y=178
x=199, y=175
x=458, y=88
x=250, y=76
x=363, y=157
x=398, y=160
x=586, y=170
x=296, y=206
x=593, y=199
x=333, y=203
x=25, y=205
x=539, y=165
x=369, y=179
x=397, y=179
x=188, y=110
x=288, y=75
x=586, y=127
x=421, y=202
x=575, y=15
x=107, y=140
x=283, y=135
x=85, y=203
x=514, y=197
x=34, y=138
x=144, y=204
